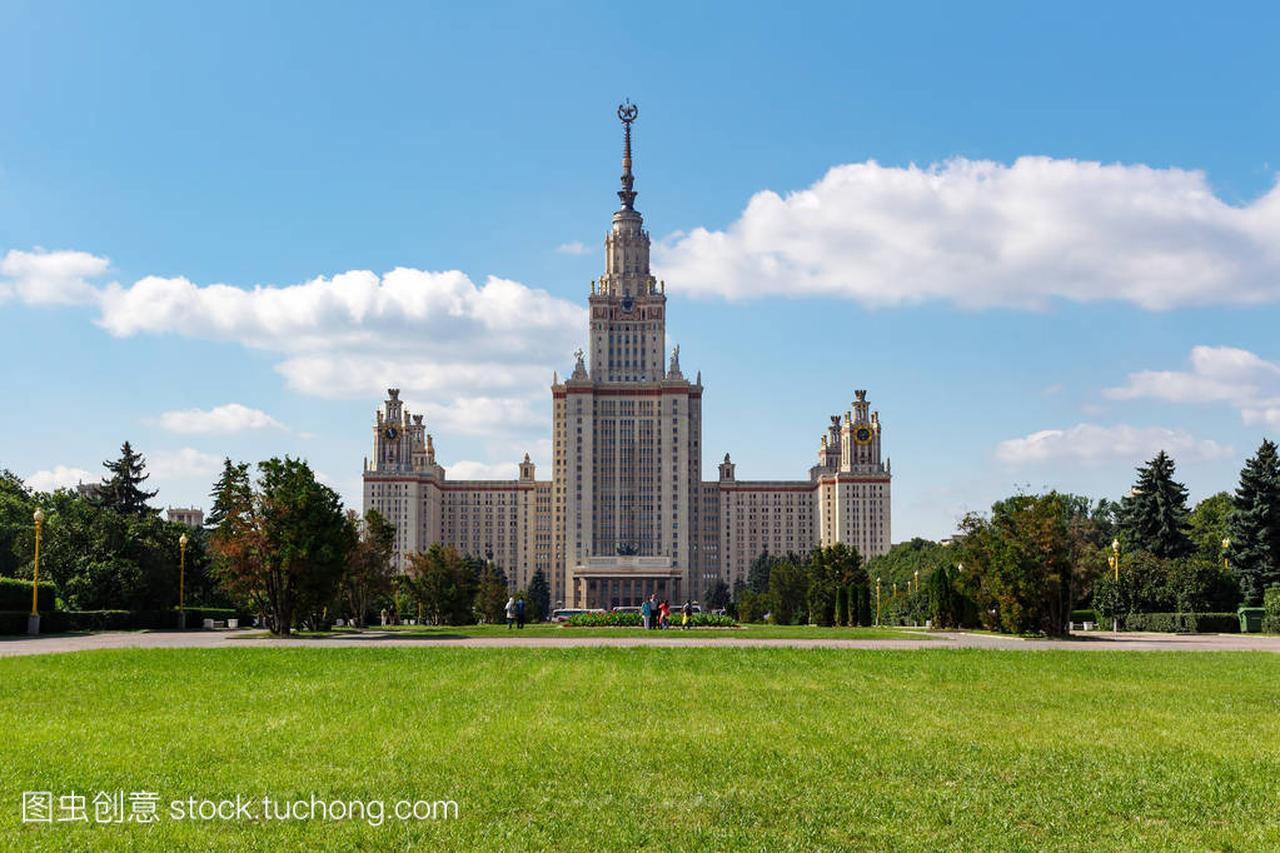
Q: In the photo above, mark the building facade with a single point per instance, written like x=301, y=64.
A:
x=626, y=512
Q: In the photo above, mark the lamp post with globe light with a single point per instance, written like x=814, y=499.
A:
x=33, y=621
x=182, y=582
x=1114, y=561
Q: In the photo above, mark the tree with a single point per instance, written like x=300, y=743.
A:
x=289, y=547
x=492, y=594
x=443, y=585
x=237, y=540
x=758, y=573
x=788, y=590
x=717, y=595
x=122, y=491
x=946, y=603
x=538, y=597
x=232, y=491
x=1019, y=564
x=1208, y=524
x=1154, y=516
x=370, y=572
x=1254, y=525
x=16, y=506
x=901, y=562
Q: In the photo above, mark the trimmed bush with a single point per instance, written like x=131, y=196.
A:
x=15, y=595
x=1085, y=616
x=629, y=619
x=57, y=621
x=1271, y=610
x=1183, y=623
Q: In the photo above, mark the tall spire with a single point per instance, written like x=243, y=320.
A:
x=627, y=112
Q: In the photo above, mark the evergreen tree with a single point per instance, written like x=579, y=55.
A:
x=122, y=491
x=538, y=597
x=231, y=494
x=1254, y=527
x=1154, y=517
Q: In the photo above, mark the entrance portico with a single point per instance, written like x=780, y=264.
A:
x=625, y=581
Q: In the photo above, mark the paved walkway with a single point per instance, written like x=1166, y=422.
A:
x=1094, y=641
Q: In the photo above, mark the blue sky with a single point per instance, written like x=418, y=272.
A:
x=938, y=231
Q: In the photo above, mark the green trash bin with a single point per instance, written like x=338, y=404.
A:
x=1250, y=619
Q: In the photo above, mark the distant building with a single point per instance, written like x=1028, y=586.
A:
x=190, y=516
x=89, y=491
x=626, y=512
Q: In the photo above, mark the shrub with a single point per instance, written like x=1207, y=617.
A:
x=57, y=621
x=631, y=619
x=1271, y=610
x=1085, y=616
x=1183, y=623
x=15, y=595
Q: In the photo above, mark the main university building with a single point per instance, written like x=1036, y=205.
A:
x=626, y=512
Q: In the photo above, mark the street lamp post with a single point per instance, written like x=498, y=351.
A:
x=917, y=581
x=182, y=582
x=1114, y=560
x=877, y=602
x=33, y=621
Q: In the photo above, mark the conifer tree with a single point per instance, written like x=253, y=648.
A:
x=1254, y=528
x=232, y=493
x=122, y=491
x=1154, y=517
x=539, y=596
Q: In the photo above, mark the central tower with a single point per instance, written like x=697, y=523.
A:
x=627, y=433
x=627, y=306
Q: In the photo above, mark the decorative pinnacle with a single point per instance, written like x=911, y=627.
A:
x=627, y=113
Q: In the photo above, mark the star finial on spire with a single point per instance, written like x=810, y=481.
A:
x=627, y=113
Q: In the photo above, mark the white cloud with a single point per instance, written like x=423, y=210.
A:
x=1092, y=444
x=468, y=470
x=186, y=463
x=575, y=247
x=41, y=277
x=59, y=477
x=1217, y=375
x=983, y=234
x=230, y=418
x=475, y=351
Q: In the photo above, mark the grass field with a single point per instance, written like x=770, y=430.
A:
x=618, y=748
x=746, y=632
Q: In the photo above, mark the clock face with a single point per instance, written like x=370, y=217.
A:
x=390, y=433
x=628, y=303
x=863, y=435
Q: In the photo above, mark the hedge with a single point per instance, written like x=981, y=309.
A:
x=1271, y=610
x=58, y=621
x=1183, y=623
x=631, y=619
x=15, y=594
x=1085, y=616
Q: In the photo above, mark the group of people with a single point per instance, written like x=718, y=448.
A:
x=390, y=617
x=656, y=614
x=515, y=612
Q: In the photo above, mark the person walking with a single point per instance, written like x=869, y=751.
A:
x=384, y=617
x=519, y=614
x=511, y=612
x=686, y=614
x=654, y=613
x=665, y=609
x=646, y=614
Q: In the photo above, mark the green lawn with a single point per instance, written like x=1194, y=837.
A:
x=749, y=632
x=615, y=748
